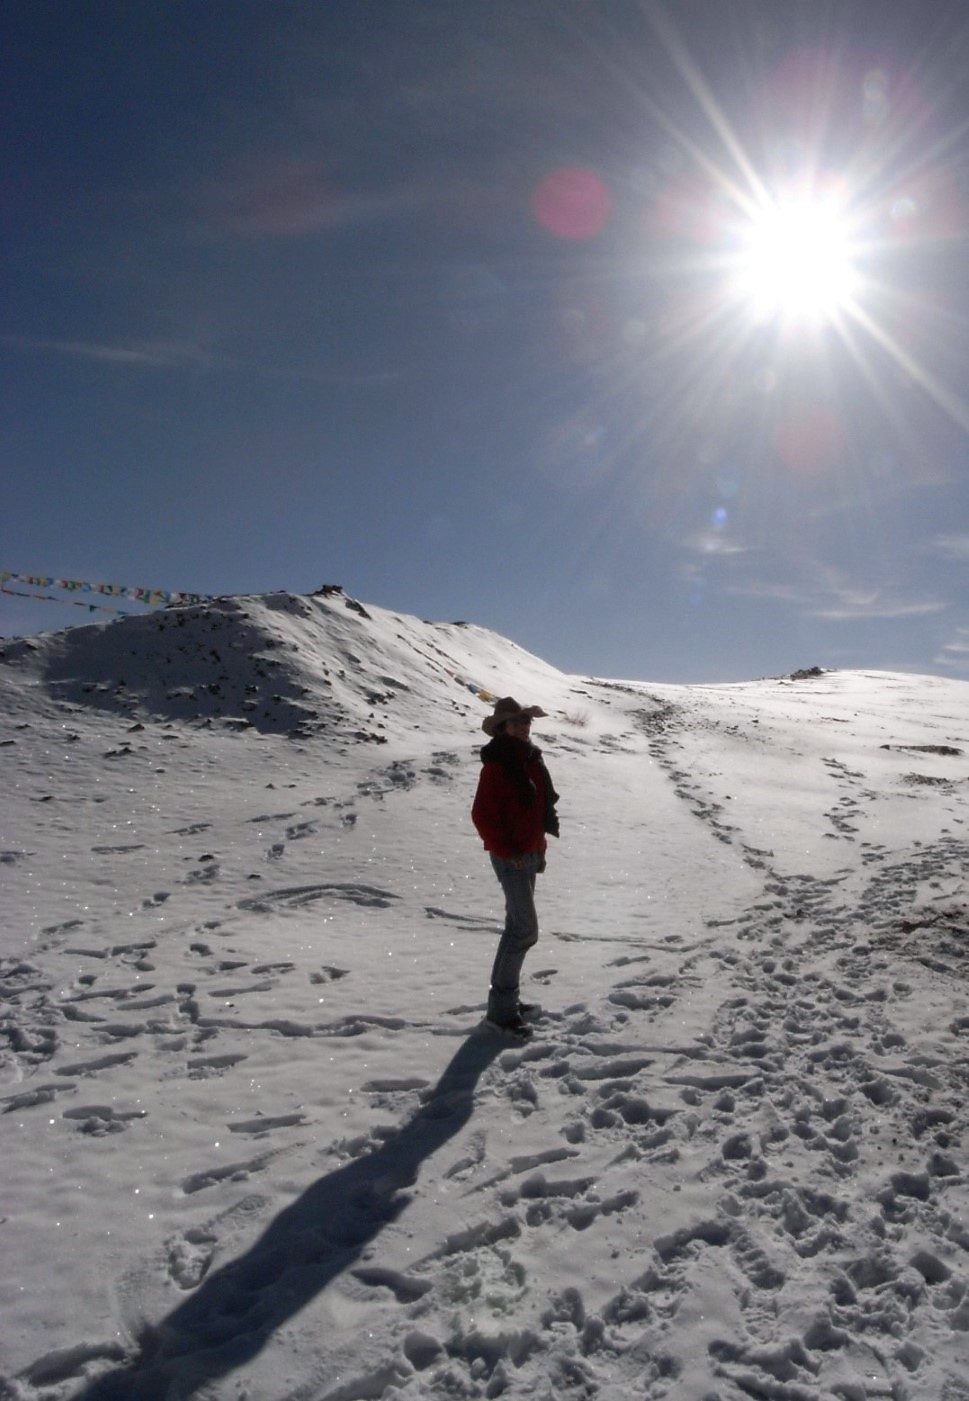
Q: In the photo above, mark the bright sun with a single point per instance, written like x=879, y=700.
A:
x=795, y=261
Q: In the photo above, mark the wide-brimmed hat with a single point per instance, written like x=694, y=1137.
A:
x=508, y=709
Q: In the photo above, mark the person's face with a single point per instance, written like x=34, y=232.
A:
x=520, y=727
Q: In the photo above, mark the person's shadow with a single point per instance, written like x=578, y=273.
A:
x=234, y=1311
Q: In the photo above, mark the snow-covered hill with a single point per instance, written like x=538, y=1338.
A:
x=256, y=1144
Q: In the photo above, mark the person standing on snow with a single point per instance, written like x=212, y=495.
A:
x=513, y=809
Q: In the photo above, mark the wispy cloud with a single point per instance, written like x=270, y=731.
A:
x=955, y=653
x=953, y=546
x=158, y=355
x=714, y=541
x=184, y=355
x=821, y=591
x=287, y=197
x=857, y=604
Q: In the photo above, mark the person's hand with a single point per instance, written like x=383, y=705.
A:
x=517, y=862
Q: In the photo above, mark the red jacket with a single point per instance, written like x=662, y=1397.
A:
x=514, y=805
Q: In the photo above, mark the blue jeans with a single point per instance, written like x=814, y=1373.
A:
x=520, y=933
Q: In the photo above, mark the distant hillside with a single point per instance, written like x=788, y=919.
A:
x=280, y=664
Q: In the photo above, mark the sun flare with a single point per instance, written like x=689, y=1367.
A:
x=796, y=261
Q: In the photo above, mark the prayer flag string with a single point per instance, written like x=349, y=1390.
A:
x=471, y=686
x=152, y=597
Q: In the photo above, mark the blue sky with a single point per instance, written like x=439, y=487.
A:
x=462, y=306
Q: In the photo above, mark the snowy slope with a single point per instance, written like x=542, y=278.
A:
x=256, y=1143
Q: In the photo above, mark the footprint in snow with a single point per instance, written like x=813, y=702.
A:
x=64, y=928
x=263, y=1125
x=82, y=1069
x=460, y=921
x=226, y=1172
x=100, y=1119
x=293, y=897
x=205, y=1066
x=328, y=974
x=207, y=871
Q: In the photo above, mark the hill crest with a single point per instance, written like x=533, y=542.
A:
x=279, y=663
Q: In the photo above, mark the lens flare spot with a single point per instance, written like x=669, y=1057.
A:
x=904, y=208
x=572, y=203
x=874, y=90
x=585, y=329
x=765, y=380
x=576, y=452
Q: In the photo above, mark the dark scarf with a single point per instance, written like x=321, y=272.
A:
x=515, y=755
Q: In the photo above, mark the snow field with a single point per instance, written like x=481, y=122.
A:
x=256, y=1143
